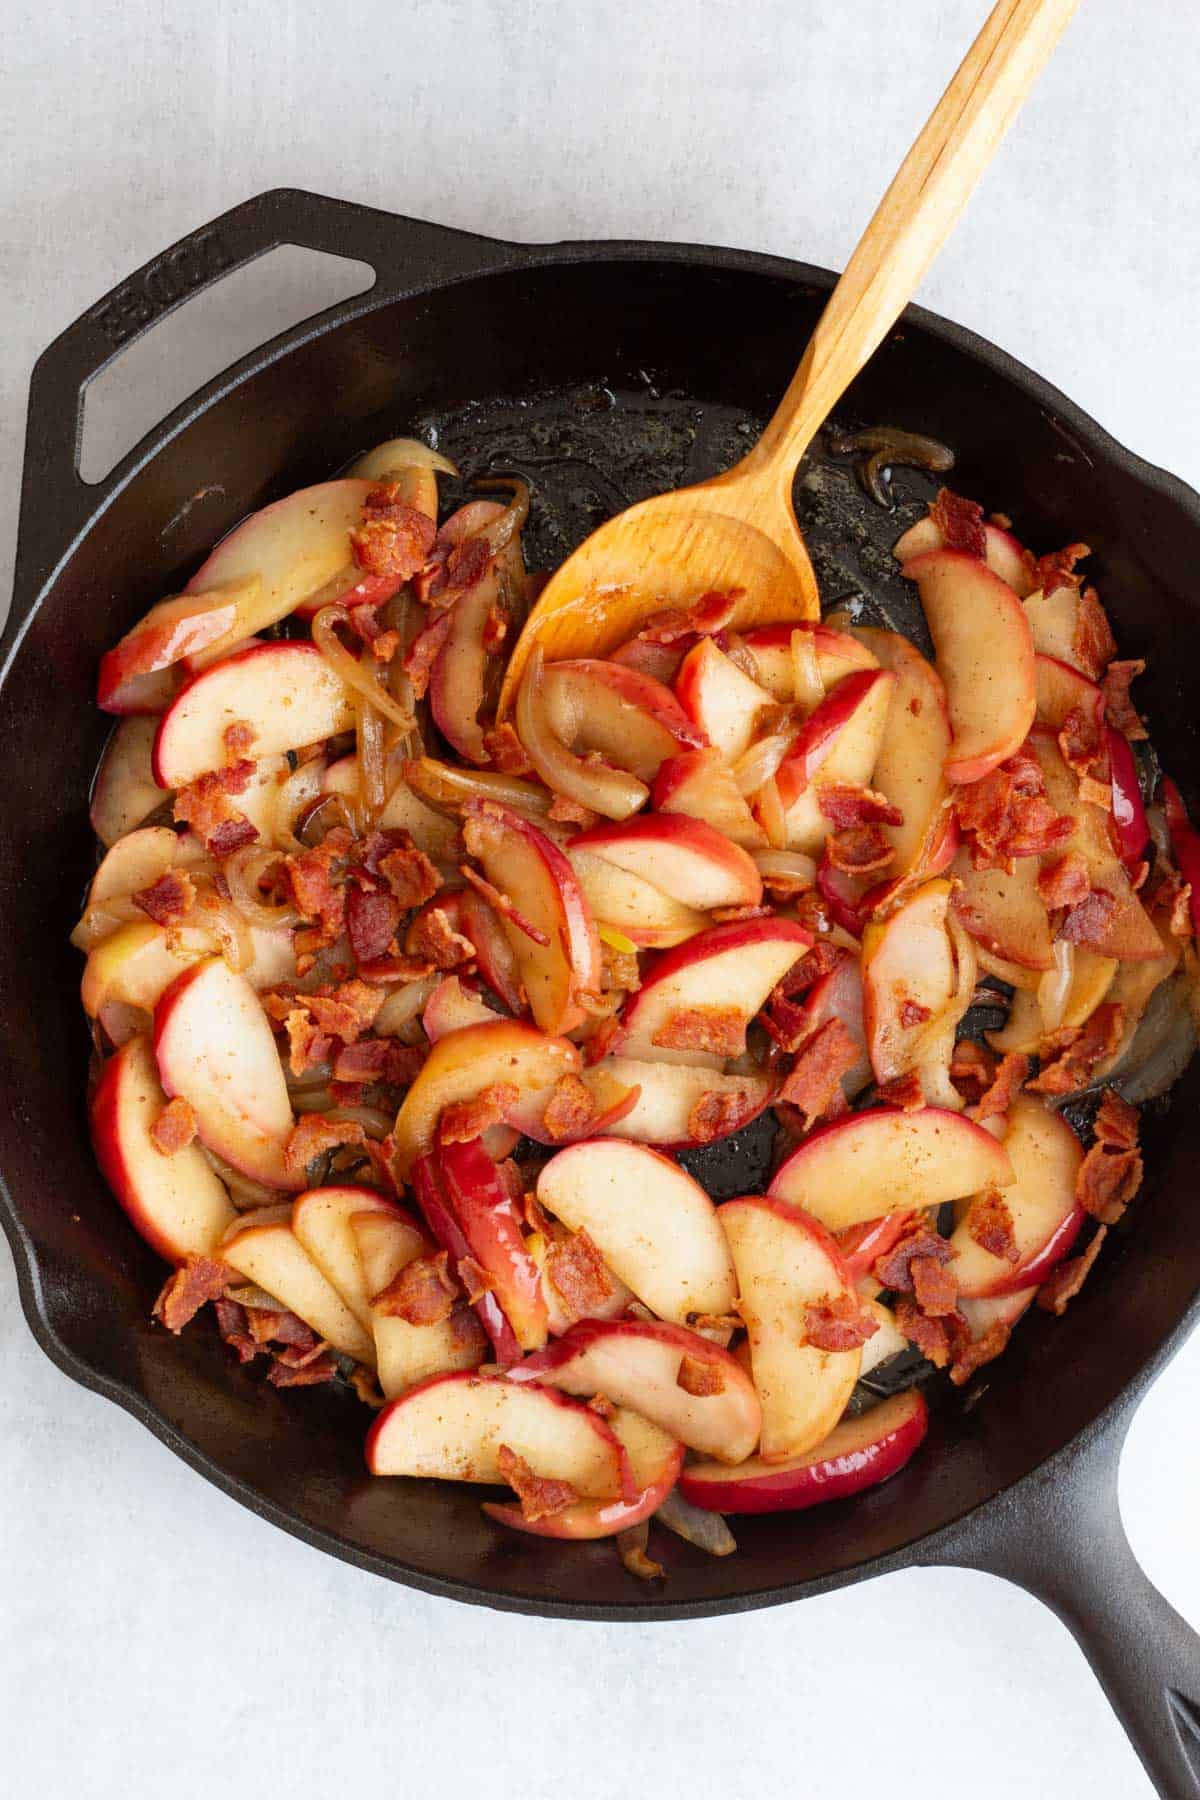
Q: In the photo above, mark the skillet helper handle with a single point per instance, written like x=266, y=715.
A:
x=1060, y=1537
x=913, y=221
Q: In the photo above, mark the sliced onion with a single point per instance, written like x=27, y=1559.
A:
x=372, y=763
x=403, y=1005
x=761, y=761
x=447, y=788
x=348, y=670
x=222, y=918
x=374, y=1121
x=302, y=787
x=243, y=872
x=631, y=1547
x=613, y=792
x=101, y=920
x=407, y=453
x=319, y=1075
x=706, y=1530
x=740, y=654
x=256, y=1299
x=244, y=1193
x=770, y=813
x=806, y=671
x=1054, y=988
x=792, y=864
x=500, y=531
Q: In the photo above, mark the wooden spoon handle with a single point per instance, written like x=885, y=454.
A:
x=913, y=220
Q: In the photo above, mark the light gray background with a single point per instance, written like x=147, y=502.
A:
x=154, y=1638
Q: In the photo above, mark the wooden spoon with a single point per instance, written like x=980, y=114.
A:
x=738, y=530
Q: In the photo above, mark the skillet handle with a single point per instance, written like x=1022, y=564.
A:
x=1060, y=1536
x=406, y=254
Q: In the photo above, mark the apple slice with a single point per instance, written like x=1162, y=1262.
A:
x=1089, y=979
x=460, y=1066
x=859, y=1453
x=724, y=705
x=839, y=994
x=887, y=1161
x=285, y=691
x=322, y=1220
x=646, y=915
x=684, y=857
x=528, y=867
x=125, y=791
x=1004, y=912
x=985, y=657
x=171, y=631
x=176, y=1202
x=786, y=1262
x=655, y=1459
x=629, y=718
x=641, y=1364
x=1061, y=690
x=999, y=1309
x=1054, y=624
x=724, y=974
x=862, y=1245
x=452, y=1427
x=916, y=742
x=137, y=861
x=460, y=679
x=135, y=964
x=654, y=1226
x=699, y=783
x=493, y=952
x=672, y=1098
x=837, y=655
x=1046, y=1217
x=838, y=743
x=1004, y=556
x=438, y=1213
x=451, y=1007
x=909, y=979
x=487, y=1216
x=406, y=1354
x=263, y=1248
x=216, y=1049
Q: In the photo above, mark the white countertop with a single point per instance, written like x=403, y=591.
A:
x=154, y=1637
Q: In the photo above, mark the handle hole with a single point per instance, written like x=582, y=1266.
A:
x=211, y=330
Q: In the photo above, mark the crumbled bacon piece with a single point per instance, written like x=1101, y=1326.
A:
x=894, y=1268
x=716, y=1115
x=578, y=1274
x=602, y=1406
x=979, y=1351
x=1057, y=569
x=840, y=1323
x=912, y=1014
x=700, y=1376
x=972, y=1069
x=711, y=613
x=1171, y=900
x=239, y=739
x=1107, y=1181
x=1070, y=1054
x=1117, y=1122
x=619, y=970
x=175, y=1126
x=501, y=902
x=1089, y=922
x=1119, y=709
x=540, y=1497
x=935, y=1287
x=466, y=564
x=315, y=1134
x=990, y=1224
x=345, y=1011
x=423, y=1293
x=571, y=812
x=960, y=522
x=170, y=899
x=316, y=895
x=232, y=834
x=935, y=1338
x=232, y=1325
x=859, y=849
x=903, y=1091
x=568, y=1109
x=1006, y=1083
x=1064, y=882
x=378, y=1059
x=372, y=921
x=464, y=1120
x=205, y=803
x=284, y=1374
x=821, y=959
x=506, y=751
x=307, y=1044
x=423, y=652
x=432, y=937
x=198, y=1280
x=475, y=1279
x=718, y=1030
x=814, y=1083
x=843, y=805
x=1064, y=1282
x=1081, y=743
x=394, y=538
x=1008, y=814
x=1093, y=643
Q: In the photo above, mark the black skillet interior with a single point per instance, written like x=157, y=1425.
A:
x=603, y=373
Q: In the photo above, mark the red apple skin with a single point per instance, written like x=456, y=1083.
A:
x=858, y=1454
x=862, y=1245
x=1185, y=842
x=847, y=906
x=488, y=1219
x=1128, y=813
x=596, y=1518
x=1033, y=1272
x=641, y=690
x=439, y=1216
x=690, y=834
x=493, y=952
x=820, y=732
x=159, y=641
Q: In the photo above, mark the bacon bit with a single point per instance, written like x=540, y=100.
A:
x=1008, y=814
x=423, y=1293
x=1008, y=1081
x=1064, y=882
x=912, y=1014
x=920, y=1243
x=972, y=1069
x=233, y=834
x=991, y=1226
x=602, y=1407
x=499, y=901
x=571, y=812
x=1093, y=644
x=315, y=1134
x=1107, y=1182
x=198, y=1280
x=307, y=1044
x=812, y=911
x=719, y=1030
x=378, y=1059
x=935, y=1287
x=701, y=1376
x=1058, y=568
x=175, y=1127
x=1070, y=1054
x=1171, y=898
x=821, y=959
x=1088, y=923
x=475, y=1279
x=716, y=1115
x=979, y=1351
x=231, y=1323
x=465, y=566
x=372, y=921
x=345, y=1011
x=170, y=899
x=960, y=522
x=394, y=538
x=711, y=613
x=433, y=938
x=410, y=875
x=783, y=886
x=1065, y=1281
x=1119, y=709
x=844, y=804
x=730, y=915
x=540, y=1497
x=814, y=1082
x=239, y=739
x=568, y=1109
x=619, y=972
x=935, y=1338
x=859, y=849
x=506, y=751
x=1081, y=741
x=1116, y=1123
x=840, y=1323
x=423, y=653
x=309, y=878
x=205, y=804
x=786, y=1023
x=464, y=1120
x=284, y=1374
x=578, y=1273
x=904, y=1091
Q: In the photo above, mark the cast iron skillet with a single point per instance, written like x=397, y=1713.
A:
x=605, y=371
